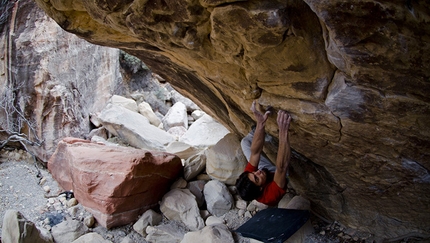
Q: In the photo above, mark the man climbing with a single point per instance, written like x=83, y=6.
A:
x=261, y=180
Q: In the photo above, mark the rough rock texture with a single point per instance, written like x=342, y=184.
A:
x=39, y=64
x=353, y=74
x=115, y=184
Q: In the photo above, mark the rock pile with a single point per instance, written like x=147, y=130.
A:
x=201, y=206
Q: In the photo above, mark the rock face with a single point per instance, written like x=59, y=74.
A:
x=115, y=184
x=354, y=76
x=41, y=74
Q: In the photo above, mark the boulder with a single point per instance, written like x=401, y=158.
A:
x=225, y=161
x=180, y=205
x=68, y=231
x=115, y=184
x=16, y=228
x=218, y=233
x=123, y=102
x=204, y=132
x=146, y=110
x=176, y=116
x=164, y=234
x=218, y=198
x=194, y=165
x=134, y=128
x=151, y=218
x=182, y=149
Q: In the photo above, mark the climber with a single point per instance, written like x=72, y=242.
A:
x=261, y=180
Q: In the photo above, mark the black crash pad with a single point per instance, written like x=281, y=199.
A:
x=274, y=224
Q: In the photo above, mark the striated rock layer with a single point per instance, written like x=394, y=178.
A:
x=353, y=74
x=115, y=184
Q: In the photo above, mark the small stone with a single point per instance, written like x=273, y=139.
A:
x=340, y=234
x=51, y=200
x=72, y=202
x=42, y=181
x=89, y=221
x=241, y=212
x=47, y=189
x=322, y=232
x=73, y=211
x=248, y=214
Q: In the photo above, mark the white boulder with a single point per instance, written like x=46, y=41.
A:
x=218, y=198
x=124, y=102
x=225, y=161
x=134, y=128
x=176, y=116
x=180, y=205
x=204, y=132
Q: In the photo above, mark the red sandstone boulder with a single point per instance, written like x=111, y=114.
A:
x=115, y=184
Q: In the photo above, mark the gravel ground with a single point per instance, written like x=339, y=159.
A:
x=28, y=187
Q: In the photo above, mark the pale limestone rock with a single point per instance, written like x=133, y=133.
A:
x=241, y=204
x=197, y=114
x=194, y=165
x=16, y=228
x=91, y=238
x=101, y=140
x=99, y=132
x=180, y=205
x=89, y=221
x=204, y=132
x=182, y=150
x=146, y=110
x=225, y=161
x=151, y=218
x=213, y=220
x=254, y=206
x=94, y=118
x=123, y=102
x=218, y=199
x=218, y=233
x=176, y=116
x=189, y=104
x=68, y=231
x=164, y=234
x=134, y=128
x=177, y=131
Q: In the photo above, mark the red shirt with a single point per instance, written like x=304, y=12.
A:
x=272, y=193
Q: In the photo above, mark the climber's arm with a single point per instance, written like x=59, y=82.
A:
x=258, y=139
x=284, y=150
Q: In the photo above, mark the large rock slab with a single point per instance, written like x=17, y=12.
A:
x=115, y=184
x=134, y=128
x=204, y=132
x=353, y=74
